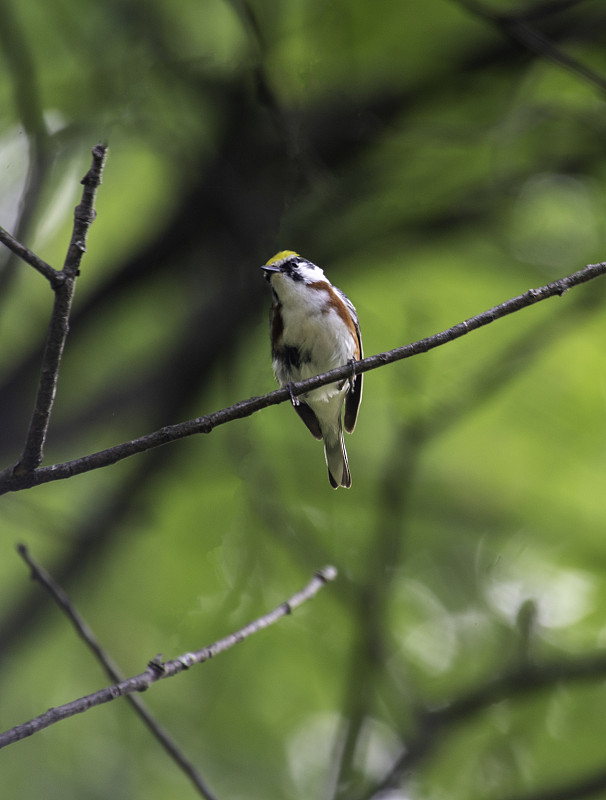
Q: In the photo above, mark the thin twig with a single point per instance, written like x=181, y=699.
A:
x=84, y=632
x=9, y=481
x=84, y=214
x=50, y=273
x=156, y=670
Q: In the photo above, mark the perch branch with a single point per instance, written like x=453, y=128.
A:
x=10, y=481
x=157, y=669
x=84, y=632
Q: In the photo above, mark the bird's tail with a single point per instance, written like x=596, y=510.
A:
x=336, y=458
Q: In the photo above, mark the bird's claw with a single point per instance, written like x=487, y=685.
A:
x=294, y=400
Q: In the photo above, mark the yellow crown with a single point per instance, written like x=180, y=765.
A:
x=281, y=256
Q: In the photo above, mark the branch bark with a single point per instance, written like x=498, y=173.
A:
x=50, y=273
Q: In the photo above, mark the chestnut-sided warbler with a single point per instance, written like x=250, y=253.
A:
x=314, y=328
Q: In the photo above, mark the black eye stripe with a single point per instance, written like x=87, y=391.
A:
x=291, y=266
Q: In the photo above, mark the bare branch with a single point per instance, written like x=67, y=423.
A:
x=10, y=480
x=156, y=670
x=84, y=213
x=64, y=287
x=50, y=273
x=85, y=633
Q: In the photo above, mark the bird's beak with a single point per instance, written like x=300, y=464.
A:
x=268, y=271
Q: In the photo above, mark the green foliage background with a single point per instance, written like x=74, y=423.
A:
x=434, y=165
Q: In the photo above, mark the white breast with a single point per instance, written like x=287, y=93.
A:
x=317, y=330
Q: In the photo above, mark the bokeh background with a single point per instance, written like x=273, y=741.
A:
x=436, y=158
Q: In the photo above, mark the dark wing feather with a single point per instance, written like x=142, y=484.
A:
x=309, y=418
x=354, y=396
x=352, y=404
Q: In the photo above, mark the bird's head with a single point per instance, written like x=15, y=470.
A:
x=287, y=266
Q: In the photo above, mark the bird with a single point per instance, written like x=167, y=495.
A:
x=314, y=328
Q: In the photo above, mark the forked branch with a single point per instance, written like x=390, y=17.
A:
x=63, y=283
x=156, y=669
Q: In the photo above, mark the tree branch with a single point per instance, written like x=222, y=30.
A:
x=10, y=480
x=156, y=670
x=64, y=284
x=85, y=633
x=84, y=213
x=50, y=273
